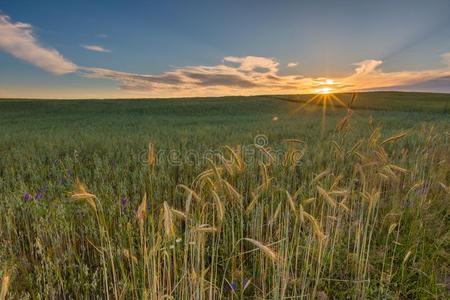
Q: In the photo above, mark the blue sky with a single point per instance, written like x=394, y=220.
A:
x=190, y=48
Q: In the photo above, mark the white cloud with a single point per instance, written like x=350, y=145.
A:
x=95, y=48
x=252, y=63
x=292, y=64
x=367, y=66
x=18, y=40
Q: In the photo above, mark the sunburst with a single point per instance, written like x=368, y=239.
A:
x=325, y=98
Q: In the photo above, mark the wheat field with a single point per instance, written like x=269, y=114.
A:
x=231, y=198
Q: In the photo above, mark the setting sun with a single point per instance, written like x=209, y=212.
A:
x=325, y=90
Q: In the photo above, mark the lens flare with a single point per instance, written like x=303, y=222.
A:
x=325, y=90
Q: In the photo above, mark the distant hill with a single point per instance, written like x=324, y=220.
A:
x=389, y=100
x=380, y=100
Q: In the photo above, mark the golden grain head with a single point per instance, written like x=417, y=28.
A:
x=237, y=159
x=191, y=191
x=82, y=194
x=309, y=200
x=220, y=208
x=374, y=136
x=394, y=138
x=141, y=212
x=301, y=212
x=169, y=227
x=232, y=192
x=343, y=206
x=291, y=203
x=329, y=200
x=179, y=214
x=6, y=279
x=264, y=174
x=205, y=228
x=128, y=255
x=344, y=122
x=315, y=226
x=265, y=250
x=276, y=214
x=391, y=228
x=405, y=259
x=321, y=175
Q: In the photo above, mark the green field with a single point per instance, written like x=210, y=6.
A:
x=342, y=211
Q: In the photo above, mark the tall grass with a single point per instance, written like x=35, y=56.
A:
x=360, y=214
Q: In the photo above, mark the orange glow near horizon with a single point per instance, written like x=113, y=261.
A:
x=326, y=87
x=325, y=90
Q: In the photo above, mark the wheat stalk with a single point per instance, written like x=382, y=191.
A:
x=151, y=155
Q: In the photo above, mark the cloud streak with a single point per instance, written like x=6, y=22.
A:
x=95, y=48
x=259, y=75
x=18, y=40
x=369, y=76
x=236, y=75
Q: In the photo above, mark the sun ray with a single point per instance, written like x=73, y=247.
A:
x=306, y=103
x=338, y=100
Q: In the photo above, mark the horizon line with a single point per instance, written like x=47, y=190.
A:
x=224, y=96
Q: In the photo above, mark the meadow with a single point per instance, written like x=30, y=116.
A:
x=233, y=197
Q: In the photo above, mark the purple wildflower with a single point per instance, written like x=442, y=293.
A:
x=69, y=173
x=123, y=201
x=39, y=195
x=233, y=285
x=27, y=197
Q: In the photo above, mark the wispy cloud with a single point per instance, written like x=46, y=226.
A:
x=18, y=40
x=369, y=76
x=95, y=48
x=292, y=64
x=102, y=35
x=236, y=75
x=259, y=75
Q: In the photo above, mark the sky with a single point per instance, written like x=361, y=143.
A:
x=140, y=49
